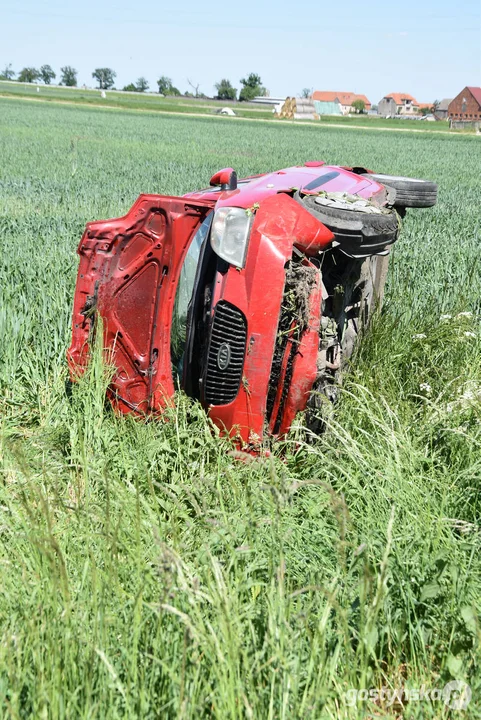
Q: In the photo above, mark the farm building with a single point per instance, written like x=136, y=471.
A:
x=398, y=104
x=442, y=109
x=466, y=107
x=267, y=100
x=344, y=99
x=275, y=103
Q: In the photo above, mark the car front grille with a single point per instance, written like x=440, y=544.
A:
x=225, y=357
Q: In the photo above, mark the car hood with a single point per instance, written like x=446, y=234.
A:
x=128, y=274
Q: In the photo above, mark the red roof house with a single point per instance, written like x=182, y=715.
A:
x=345, y=99
x=398, y=104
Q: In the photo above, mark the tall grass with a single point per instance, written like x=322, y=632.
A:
x=146, y=572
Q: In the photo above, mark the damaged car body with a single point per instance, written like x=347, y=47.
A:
x=248, y=295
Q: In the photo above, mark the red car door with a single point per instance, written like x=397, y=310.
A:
x=128, y=273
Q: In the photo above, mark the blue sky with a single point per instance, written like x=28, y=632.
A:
x=429, y=49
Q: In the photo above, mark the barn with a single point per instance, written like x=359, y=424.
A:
x=466, y=106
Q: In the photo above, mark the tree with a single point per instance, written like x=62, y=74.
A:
x=252, y=87
x=306, y=93
x=225, y=91
x=69, y=76
x=195, y=88
x=359, y=106
x=28, y=75
x=47, y=74
x=164, y=84
x=105, y=77
x=141, y=85
x=166, y=87
x=8, y=73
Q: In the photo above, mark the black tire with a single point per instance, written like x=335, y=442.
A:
x=359, y=234
x=410, y=192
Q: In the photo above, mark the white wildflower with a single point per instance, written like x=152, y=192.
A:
x=465, y=314
x=419, y=336
x=443, y=318
x=468, y=333
x=469, y=393
x=425, y=387
x=472, y=391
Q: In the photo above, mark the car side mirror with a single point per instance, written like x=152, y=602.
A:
x=226, y=178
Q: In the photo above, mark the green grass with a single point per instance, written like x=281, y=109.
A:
x=155, y=103
x=373, y=122
x=146, y=573
x=129, y=101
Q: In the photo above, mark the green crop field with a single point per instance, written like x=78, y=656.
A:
x=196, y=106
x=145, y=572
x=130, y=101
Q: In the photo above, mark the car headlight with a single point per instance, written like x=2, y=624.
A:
x=229, y=236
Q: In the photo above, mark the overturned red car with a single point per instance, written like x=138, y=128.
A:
x=248, y=295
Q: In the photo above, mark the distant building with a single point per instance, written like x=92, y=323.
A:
x=327, y=108
x=426, y=106
x=344, y=99
x=265, y=100
x=466, y=107
x=274, y=103
x=398, y=104
x=442, y=109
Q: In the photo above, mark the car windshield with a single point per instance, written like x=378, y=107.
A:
x=183, y=295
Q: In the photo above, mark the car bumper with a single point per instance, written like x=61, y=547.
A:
x=258, y=292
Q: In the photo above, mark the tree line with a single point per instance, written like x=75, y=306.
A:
x=105, y=77
x=68, y=75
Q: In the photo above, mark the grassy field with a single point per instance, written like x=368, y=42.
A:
x=373, y=122
x=144, y=572
x=129, y=101
x=156, y=103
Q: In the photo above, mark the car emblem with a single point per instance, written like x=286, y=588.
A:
x=223, y=356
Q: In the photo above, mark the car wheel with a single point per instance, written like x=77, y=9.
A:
x=360, y=227
x=410, y=192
